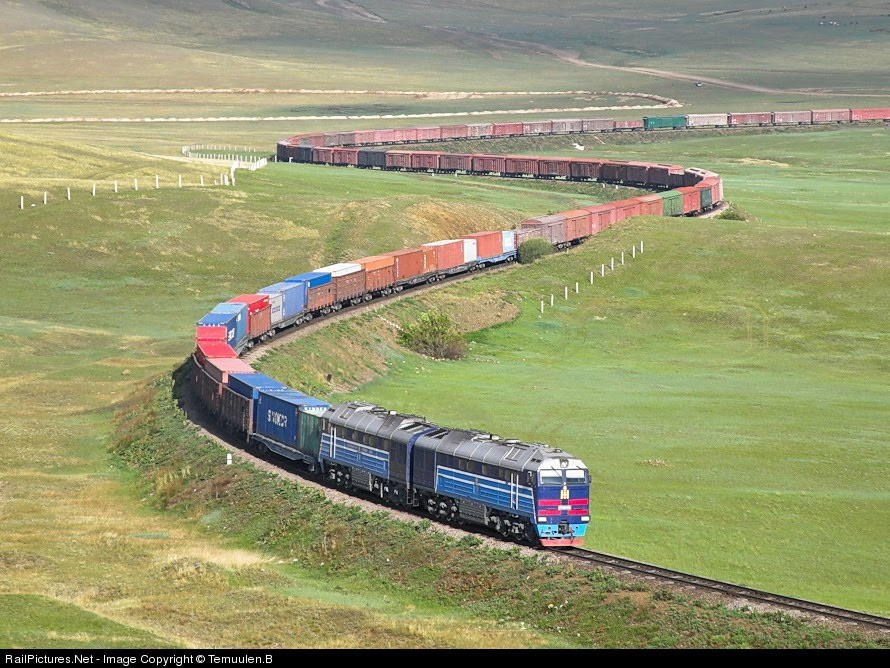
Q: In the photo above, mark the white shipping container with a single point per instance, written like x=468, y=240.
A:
x=509, y=240
x=471, y=250
x=340, y=269
x=699, y=120
x=276, y=304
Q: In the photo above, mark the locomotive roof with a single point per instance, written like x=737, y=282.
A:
x=474, y=445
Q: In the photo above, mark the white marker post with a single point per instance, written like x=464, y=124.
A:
x=69, y=193
x=566, y=292
x=602, y=271
x=202, y=180
x=228, y=459
x=612, y=264
x=22, y=202
x=633, y=251
x=591, y=278
x=44, y=196
x=115, y=185
x=135, y=184
x=542, y=307
x=576, y=287
x=622, y=257
x=180, y=180
x=551, y=300
x=641, y=246
x=94, y=188
x=157, y=184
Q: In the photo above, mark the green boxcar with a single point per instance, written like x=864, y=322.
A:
x=707, y=199
x=310, y=434
x=673, y=203
x=660, y=122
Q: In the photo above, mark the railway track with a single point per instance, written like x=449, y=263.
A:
x=798, y=605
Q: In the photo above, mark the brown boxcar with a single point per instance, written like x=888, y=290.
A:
x=567, y=125
x=398, y=159
x=383, y=136
x=554, y=167
x=792, y=117
x=597, y=124
x=488, y=244
x=453, y=162
x=506, y=129
x=379, y=272
x=585, y=168
x=636, y=172
x=537, y=232
x=331, y=138
x=488, y=163
x=651, y=205
x=345, y=156
x=660, y=175
x=312, y=140
x=347, y=138
x=479, y=130
x=408, y=264
x=235, y=411
x=320, y=296
x=348, y=279
x=521, y=164
x=578, y=224
x=601, y=217
x=425, y=159
x=831, y=116
x=634, y=124
x=209, y=390
x=750, y=118
x=363, y=137
x=553, y=227
x=448, y=253
x=537, y=127
x=322, y=155
x=454, y=131
x=403, y=134
x=882, y=114
x=613, y=170
x=429, y=133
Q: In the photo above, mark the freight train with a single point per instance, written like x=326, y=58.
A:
x=524, y=491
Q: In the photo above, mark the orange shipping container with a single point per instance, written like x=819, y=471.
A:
x=488, y=244
x=408, y=263
x=379, y=272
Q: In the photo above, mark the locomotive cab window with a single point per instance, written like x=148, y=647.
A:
x=551, y=477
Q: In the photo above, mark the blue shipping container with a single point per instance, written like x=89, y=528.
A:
x=227, y=320
x=277, y=414
x=313, y=278
x=249, y=384
x=240, y=313
x=293, y=297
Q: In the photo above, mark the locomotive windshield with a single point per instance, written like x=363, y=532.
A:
x=568, y=476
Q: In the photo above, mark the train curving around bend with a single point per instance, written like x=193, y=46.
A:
x=523, y=491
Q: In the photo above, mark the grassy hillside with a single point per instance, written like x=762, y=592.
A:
x=727, y=389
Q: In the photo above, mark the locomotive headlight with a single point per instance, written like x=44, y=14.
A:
x=542, y=520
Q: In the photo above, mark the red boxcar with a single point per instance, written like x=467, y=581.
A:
x=453, y=162
x=691, y=199
x=383, y=136
x=347, y=138
x=578, y=224
x=425, y=159
x=408, y=263
x=521, y=164
x=398, y=159
x=259, y=313
x=322, y=155
x=506, y=129
x=379, y=272
x=626, y=208
x=489, y=163
x=488, y=244
x=553, y=227
x=207, y=349
x=321, y=296
x=634, y=124
x=585, y=168
x=454, y=131
x=651, y=205
x=211, y=333
x=792, y=117
x=567, y=125
x=870, y=114
x=403, y=134
x=831, y=116
x=537, y=127
x=479, y=130
x=535, y=232
x=345, y=156
x=363, y=137
x=601, y=217
x=750, y=118
x=429, y=133
x=447, y=254
x=312, y=140
x=597, y=124
x=554, y=166
x=331, y=138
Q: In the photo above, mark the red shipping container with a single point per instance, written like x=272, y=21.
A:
x=254, y=302
x=488, y=244
x=429, y=133
x=651, y=205
x=479, y=130
x=408, y=263
x=456, y=162
x=321, y=296
x=379, y=271
x=634, y=124
x=448, y=253
x=882, y=114
x=831, y=115
x=363, y=137
x=793, y=117
x=425, y=159
x=577, y=224
x=691, y=199
x=554, y=166
x=429, y=259
x=345, y=156
x=211, y=333
x=520, y=164
x=506, y=129
x=322, y=155
x=398, y=159
x=537, y=127
x=219, y=368
x=454, y=131
x=489, y=163
x=585, y=168
x=206, y=349
x=751, y=118
x=597, y=124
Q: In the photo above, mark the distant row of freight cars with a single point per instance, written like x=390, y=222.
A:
x=582, y=125
x=524, y=491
